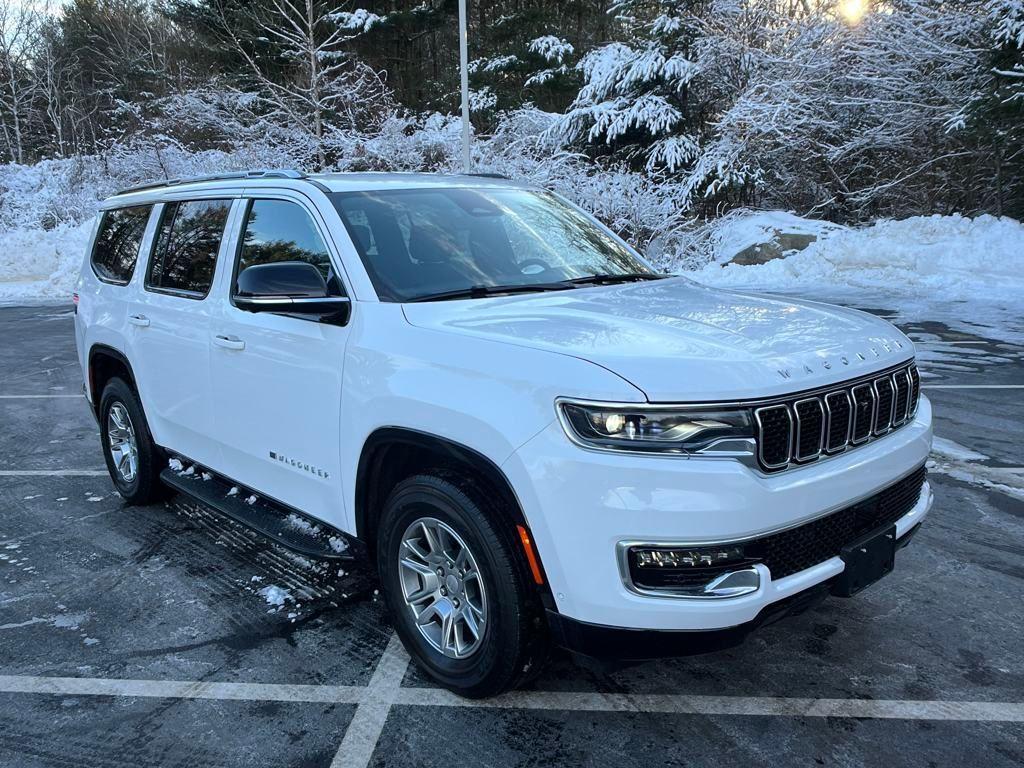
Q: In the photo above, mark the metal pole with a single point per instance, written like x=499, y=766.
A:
x=464, y=66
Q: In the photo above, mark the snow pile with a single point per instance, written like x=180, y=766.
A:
x=941, y=257
x=736, y=232
x=41, y=264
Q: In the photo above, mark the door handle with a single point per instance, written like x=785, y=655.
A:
x=140, y=320
x=229, y=342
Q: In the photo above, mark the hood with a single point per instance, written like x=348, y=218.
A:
x=678, y=341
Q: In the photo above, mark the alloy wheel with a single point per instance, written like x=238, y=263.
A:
x=124, y=449
x=442, y=587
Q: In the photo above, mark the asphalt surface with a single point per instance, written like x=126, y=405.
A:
x=137, y=636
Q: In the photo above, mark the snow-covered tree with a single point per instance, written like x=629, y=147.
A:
x=300, y=70
x=787, y=102
x=999, y=113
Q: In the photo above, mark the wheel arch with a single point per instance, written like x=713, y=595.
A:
x=391, y=454
x=105, y=363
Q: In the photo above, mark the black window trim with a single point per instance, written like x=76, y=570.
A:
x=142, y=242
x=179, y=292
x=248, y=198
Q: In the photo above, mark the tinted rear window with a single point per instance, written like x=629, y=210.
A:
x=186, y=248
x=117, y=243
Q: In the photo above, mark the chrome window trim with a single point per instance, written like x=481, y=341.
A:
x=821, y=432
x=849, y=422
x=297, y=301
x=760, y=429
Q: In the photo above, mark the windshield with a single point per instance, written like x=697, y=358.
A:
x=420, y=243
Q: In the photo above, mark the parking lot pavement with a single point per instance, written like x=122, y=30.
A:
x=140, y=636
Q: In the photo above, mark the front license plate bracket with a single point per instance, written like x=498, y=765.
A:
x=867, y=560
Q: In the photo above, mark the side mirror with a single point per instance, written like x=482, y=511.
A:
x=291, y=287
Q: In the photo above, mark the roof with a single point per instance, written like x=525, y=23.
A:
x=326, y=182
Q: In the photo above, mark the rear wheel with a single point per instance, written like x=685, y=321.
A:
x=133, y=460
x=457, y=596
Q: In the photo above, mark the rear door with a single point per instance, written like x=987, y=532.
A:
x=277, y=378
x=169, y=325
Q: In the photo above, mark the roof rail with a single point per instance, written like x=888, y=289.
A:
x=486, y=175
x=265, y=174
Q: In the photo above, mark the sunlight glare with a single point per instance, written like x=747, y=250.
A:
x=853, y=11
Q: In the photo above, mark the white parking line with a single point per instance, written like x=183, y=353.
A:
x=973, y=386
x=375, y=700
x=918, y=342
x=53, y=472
x=39, y=397
x=181, y=689
x=364, y=731
x=978, y=711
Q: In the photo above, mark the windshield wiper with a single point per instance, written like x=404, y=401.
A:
x=608, y=279
x=481, y=291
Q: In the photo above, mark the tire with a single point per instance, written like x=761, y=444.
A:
x=120, y=403
x=513, y=640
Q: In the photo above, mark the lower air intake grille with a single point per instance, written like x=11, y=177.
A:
x=797, y=549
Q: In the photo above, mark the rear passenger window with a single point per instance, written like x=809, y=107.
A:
x=186, y=248
x=278, y=230
x=117, y=243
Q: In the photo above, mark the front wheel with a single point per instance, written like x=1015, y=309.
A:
x=133, y=459
x=456, y=593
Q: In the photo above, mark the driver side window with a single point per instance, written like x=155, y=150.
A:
x=280, y=230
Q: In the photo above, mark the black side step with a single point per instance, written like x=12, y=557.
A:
x=286, y=526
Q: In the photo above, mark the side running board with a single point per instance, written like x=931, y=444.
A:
x=283, y=525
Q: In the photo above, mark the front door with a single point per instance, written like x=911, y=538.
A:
x=277, y=378
x=169, y=332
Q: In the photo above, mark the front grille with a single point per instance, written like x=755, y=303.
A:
x=791, y=551
x=801, y=428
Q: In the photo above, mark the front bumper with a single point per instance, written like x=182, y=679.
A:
x=581, y=505
x=623, y=644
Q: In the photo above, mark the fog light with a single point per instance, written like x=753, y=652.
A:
x=712, y=571
x=687, y=558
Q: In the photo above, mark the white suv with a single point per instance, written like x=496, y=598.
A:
x=534, y=434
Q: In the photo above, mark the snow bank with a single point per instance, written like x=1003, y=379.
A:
x=41, y=264
x=735, y=233
x=939, y=257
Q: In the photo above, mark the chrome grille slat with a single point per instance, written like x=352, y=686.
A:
x=775, y=436
x=901, y=402
x=836, y=403
x=800, y=429
x=864, y=402
x=885, y=397
x=915, y=389
x=810, y=428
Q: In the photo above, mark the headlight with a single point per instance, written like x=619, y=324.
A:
x=657, y=429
